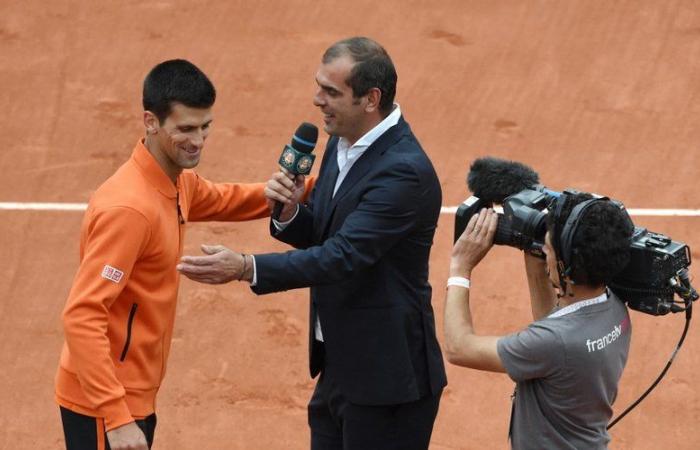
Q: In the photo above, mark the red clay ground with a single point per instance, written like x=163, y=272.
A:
x=601, y=96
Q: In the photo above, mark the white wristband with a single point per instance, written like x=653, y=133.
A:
x=459, y=281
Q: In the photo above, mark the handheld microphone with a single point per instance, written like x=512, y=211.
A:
x=296, y=156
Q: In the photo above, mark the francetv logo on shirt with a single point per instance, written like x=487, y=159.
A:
x=599, y=344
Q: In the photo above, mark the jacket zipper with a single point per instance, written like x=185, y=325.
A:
x=129, y=323
x=180, y=218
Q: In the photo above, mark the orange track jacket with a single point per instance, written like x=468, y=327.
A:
x=119, y=316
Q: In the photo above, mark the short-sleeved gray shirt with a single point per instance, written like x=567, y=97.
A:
x=566, y=368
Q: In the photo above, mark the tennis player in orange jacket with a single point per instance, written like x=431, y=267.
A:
x=119, y=316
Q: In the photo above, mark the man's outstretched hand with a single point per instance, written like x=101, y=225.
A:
x=219, y=265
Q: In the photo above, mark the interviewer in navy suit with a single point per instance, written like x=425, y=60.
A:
x=363, y=242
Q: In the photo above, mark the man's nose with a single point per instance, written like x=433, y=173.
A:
x=198, y=138
x=318, y=99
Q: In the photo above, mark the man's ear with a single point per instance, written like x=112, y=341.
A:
x=150, y=122
x=374, y=97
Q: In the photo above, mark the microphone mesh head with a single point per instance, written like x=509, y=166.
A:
x=305, y=137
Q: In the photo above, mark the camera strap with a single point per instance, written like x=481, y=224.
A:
x=512, y=412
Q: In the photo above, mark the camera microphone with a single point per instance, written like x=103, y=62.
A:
x=493, y=179
x=515, y=186
x=296, y=156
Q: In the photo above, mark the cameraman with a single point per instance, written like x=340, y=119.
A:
x=568, y=362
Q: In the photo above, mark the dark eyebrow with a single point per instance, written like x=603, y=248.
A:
x=327, y=87
x=189, y=125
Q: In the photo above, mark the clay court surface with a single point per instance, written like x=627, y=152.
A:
x=599, y=95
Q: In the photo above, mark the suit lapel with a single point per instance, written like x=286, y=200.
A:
x=360, y=169
x=326, y=184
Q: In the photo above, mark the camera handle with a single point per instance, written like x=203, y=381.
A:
x=686, y=291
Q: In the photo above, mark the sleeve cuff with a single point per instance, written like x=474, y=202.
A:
x=116, y=414
x=255, y=271
x=280, y=226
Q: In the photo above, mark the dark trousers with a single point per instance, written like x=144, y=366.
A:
x=337, y=424
x=88, y=433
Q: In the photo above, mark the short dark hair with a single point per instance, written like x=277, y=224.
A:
x=176, y=81
x=373, y=69
x=601, y=244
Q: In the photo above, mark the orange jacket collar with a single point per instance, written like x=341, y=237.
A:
x=152, y=170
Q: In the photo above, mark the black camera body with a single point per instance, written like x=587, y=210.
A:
x=646, y=283
x=657, y=268
x=521, y=225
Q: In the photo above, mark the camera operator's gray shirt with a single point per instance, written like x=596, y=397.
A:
x=566, y=368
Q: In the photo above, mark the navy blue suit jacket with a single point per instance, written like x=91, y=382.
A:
x=364, y=252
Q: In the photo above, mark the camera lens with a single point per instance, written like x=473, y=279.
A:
x=504, y=231
x=520, y=226
x=536, y=225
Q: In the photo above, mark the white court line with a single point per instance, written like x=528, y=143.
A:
x=10, y=206
x=24, y=206
x=631, y=211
